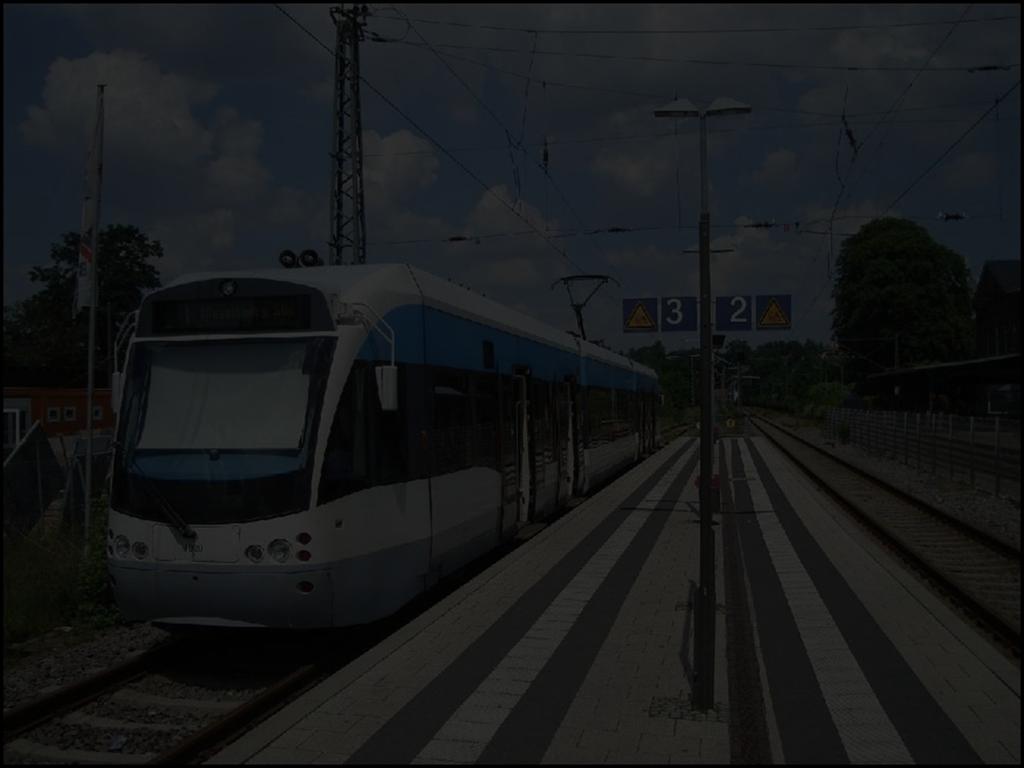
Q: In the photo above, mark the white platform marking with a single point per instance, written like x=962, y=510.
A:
x=866, y=731
x=470, y=729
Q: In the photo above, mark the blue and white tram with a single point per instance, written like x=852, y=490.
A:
x=315, y=447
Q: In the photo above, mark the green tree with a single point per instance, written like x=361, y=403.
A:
x=43, y=344
x=894, y=279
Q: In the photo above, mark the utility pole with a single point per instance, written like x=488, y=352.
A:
x=704, y=624
x=86, y=291
x=348, y=215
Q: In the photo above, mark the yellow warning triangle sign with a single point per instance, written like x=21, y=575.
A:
x=773, y=316
x=640, y=319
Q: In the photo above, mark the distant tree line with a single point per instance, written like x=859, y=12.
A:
x=896, y=291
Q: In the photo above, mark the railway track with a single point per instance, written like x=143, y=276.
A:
x=177, y=701
x=166, y=705
x=980, y=572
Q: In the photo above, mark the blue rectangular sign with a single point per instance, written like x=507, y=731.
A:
x=679, y=313
x=775, y=312
x=733, y=313
x=640, y=315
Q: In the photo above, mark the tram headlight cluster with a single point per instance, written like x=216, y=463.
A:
x=279, y=549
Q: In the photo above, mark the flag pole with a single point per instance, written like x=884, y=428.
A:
x=92, y=190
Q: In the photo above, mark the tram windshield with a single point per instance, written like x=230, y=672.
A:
x=224, y=429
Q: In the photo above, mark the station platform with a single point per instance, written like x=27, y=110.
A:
x=577, y=647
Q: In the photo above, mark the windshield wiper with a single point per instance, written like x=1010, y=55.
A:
x=165, y=506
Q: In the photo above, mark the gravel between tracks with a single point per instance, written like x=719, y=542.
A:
x=49, y=666
x=999, y=517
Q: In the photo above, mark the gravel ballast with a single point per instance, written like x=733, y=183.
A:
x=997, y=516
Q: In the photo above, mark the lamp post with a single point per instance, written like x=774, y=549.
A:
x=704, y=625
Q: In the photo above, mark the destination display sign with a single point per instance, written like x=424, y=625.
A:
x=232, y=315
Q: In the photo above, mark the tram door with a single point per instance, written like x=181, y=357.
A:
x=509, y=458
x=566, y=442
x=579, y=417
x=524, y=449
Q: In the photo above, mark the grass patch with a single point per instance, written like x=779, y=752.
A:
x=49, y=581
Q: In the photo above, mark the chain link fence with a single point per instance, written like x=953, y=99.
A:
x=42, y=486
x=982, y=451
x=33, y=480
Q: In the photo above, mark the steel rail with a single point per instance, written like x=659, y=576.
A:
x=20, y=719
x=981, y=536
x=1007, y=635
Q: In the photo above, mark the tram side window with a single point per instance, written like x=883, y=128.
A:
x=600, y=415
x=540, y=418
x=623, y=412
x=453, y=421
x=485, y=420
x=388, y=443
x=346, y=465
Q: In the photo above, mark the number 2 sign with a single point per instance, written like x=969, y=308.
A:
x=733, y=313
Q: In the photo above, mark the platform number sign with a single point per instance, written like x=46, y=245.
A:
x=679, y=313
x=640, y=315
x=733, y=313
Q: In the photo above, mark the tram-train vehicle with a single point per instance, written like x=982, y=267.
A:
x=315, y=447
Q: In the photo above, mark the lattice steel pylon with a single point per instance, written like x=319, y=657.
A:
x=348, y=216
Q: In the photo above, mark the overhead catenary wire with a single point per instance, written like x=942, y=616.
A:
x=950, y=148
x=500, y=122
x=661, y=97
x=844, y=188
x=720, y=62
x=452, y=157
x=663, y=135
x=704, y=31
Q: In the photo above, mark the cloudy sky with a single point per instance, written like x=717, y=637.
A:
x=218, y=125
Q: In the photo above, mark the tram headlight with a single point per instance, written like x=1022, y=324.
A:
x=254, y=552
x=279, y=549
x=140, y=550
x=121, y=545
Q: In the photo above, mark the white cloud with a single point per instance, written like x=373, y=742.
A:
x=778, y=168
x=201, y=177
x=396, y=166
x=147, y=112
x=195, y=241
x=237, y=174
x=639, y=170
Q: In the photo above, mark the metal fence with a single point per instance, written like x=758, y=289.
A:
x=984, y=451
x=40, y=485
x=33, y=479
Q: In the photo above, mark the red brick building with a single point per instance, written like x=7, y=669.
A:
x=59, y=411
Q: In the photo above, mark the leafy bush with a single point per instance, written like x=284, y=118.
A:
x=49, y=581
x=95, y=598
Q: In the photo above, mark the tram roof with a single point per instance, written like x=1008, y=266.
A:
x=385, y=286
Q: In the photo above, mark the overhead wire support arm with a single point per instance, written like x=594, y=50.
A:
x=577, y=307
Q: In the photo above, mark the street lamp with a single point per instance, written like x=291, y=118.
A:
x=704, y=661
